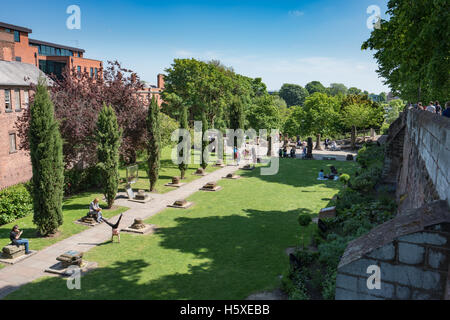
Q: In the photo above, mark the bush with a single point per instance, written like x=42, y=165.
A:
x=76, y=181
x=344, y=178
x=15, y=203
x=304, y=220
x=329, y=284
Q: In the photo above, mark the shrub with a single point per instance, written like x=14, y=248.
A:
x=304, y=220
x=329, y=284
x=344, y=178
x=76, y=180
x=15, y=203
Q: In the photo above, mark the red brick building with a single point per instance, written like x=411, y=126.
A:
x=51, y=58
x=150, y=91
x=15, y=80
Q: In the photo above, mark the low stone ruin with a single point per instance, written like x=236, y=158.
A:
x=232, y=176
x=200, y=172
x=140, y=227
x=211, y=186
x=12, y=251
x=176, y=182
x=181, y=204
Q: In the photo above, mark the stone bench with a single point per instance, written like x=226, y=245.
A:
x=12, y=251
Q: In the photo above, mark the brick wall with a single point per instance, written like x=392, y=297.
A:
x=14, y=167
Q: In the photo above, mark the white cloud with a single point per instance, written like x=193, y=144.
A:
x=296, y=13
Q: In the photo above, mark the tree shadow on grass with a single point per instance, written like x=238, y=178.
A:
x=234, y=256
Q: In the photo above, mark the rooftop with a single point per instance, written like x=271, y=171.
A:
x=14, y=73
x=13, y=27
x=39, y=42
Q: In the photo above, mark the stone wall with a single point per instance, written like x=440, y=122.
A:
x=413, y=264
x=425, y=168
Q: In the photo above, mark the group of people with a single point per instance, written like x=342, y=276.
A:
x=334, y=174
x=435, y=107
x=283, y=153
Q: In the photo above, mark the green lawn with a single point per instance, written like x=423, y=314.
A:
x=229, y=245
x=73, y=209
x=166, y=172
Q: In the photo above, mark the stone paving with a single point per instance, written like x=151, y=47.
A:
x=14, y=276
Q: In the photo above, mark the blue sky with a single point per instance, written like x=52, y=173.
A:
x=280, y=41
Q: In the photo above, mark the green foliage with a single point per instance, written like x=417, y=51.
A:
x=412, y=49
x=264, y=114
x=315, y=86
x=108, y=137
x=76, y=180
x=153, y=143
x=329, y=284
x=293, y=94
x=47, y=163
x=15, y=203
x=370, y=154
x=304, y=220
x=167, y=126
x=344, y=178
x=337, y=89
x=321, y=114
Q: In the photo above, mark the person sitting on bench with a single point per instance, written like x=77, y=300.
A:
x=94, y=209
x=14, y=236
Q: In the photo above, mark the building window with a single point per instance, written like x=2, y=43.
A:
x=12, y=143
x=79, y=70
x=96, y=73
x=91, y=72
x=16, y=36
x=8, y=101
x=17, y=103
x=26, y=98
x=19, y=59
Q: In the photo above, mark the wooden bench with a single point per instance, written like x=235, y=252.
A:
x=12, y=251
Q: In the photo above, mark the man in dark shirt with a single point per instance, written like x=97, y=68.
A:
x=14, y=236
x=446, y=112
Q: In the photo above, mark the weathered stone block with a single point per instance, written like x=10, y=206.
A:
x=438, y=259
x=12, y=251
x=347, y=282
x=387, y=290
x=386, y=252
x=410, y=253
x=411, y=276
x=425, y=238
x=358, y=267
x=402, y=293
x=343, y=294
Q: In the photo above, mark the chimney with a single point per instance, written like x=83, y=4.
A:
x=160, y=81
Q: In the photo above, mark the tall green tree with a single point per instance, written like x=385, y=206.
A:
x=412, y=49
x=108, y=137
x=154, y=143
x=293, y=94
x=184, y=124
x=47, y=163
x=321, y=115
x=337, y=89
x=315, y=86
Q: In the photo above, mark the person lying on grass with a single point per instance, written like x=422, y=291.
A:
x=14, y=236
x=115, y=228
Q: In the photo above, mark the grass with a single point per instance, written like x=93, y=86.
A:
x=73, y=209
x=229, y=245
x=166, y=172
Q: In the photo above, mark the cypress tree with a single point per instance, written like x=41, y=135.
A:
x=154, y=143
x=237, y=117
x=47, y=163
x=204, y=163
x=183, y=125
x=108, y=138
